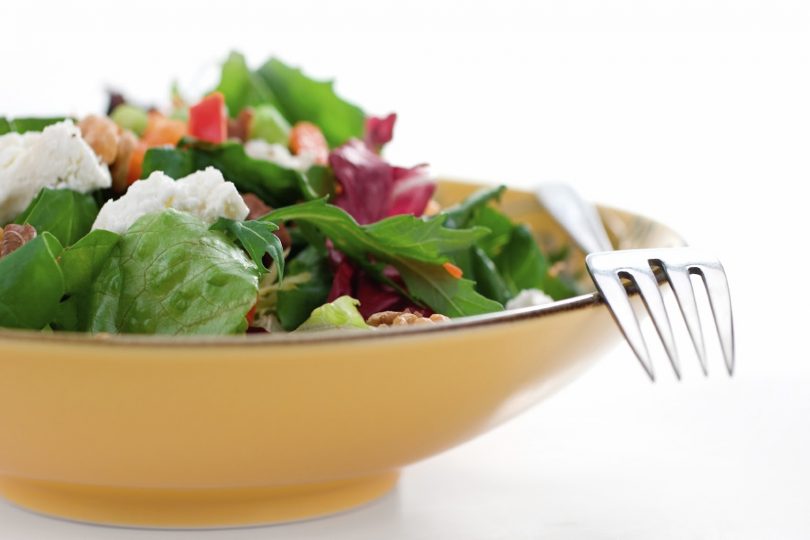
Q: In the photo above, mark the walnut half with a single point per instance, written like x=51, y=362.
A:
x=403, y=318
x=14, y=236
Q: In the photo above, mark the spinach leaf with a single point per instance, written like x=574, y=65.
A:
x=340, y=314
x=257, y=238
x=31, y=284
x=294, y=306
x=274, y=184
x=170, y=275
x=415, y=247
x=21, y=125
x=83, y=261
x=302, y=98
x=523, y=266
x=66, y=214
x=241, y=87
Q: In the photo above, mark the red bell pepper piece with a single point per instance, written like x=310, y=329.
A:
x=208, y=119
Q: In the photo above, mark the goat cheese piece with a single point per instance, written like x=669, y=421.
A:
x=57, y=157
x=205, y=194
x=528, y=298
x=278, y=154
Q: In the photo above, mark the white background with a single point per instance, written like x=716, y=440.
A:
x=696, y=113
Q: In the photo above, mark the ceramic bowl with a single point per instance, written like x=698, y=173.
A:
x=232, y=431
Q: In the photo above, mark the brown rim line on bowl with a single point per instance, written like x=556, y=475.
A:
x=233, y=431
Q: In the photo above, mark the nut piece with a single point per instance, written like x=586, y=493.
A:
x=13, y=237
x=120, y=167
x=403, y=318
x=101, y=134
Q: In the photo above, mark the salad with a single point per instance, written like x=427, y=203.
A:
x=264, y=206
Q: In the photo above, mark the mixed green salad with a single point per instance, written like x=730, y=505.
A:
x=264, y=206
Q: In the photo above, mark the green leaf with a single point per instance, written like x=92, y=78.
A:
x=241, y=87
x=416, y=247
x=66, y=214
x=460, y=215
x=274, y=184
x=269, y=125
x=500, y=227
x=523, y=266
x=170, y=275
x=83, y=261
x=488, y=280
x=302, y=98
x=31, y=284
x=257, y=238
x=22, y=125
x=294, y=306
x=340, y=314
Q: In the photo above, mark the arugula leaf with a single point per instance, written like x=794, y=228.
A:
x=21, y=125
x=488, y=280
x=523, y=266
x=340, y=314
x=241, y=87
x=257, y=238
x=170, y=275
x=31, y=284
x=274, y=184
x=415, y=247
x=66, y=214
x=294, y=306
x=301, y=98
x=459, y=215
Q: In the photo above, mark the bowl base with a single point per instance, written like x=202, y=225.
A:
x=193, y=508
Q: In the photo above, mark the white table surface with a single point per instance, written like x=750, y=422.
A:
x=697, y=115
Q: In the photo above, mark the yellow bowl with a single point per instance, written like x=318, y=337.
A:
x=158, y=432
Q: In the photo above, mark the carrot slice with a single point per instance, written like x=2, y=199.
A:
x=453, y=270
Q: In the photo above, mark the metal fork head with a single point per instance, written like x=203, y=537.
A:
x=607, y=270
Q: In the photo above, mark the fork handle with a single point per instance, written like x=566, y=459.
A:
x=578, y=217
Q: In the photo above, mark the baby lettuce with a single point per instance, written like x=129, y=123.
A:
x=416, y=247
x=301, y=98
x=170, y=274
x=342, y=314
x=293, y=94
x=66, y=214
x=274, y=184
x=31, y=284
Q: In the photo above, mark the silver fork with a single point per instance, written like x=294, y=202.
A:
x=608, y=268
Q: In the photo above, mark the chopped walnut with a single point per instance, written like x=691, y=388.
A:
x=403, y=318
x=14, y=236
x=101, y=134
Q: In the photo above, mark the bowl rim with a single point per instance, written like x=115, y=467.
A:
x=582, y=301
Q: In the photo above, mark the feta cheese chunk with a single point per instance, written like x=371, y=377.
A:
x=57, y=157
x=278, y=154
x=528, y=298
x=205, y=194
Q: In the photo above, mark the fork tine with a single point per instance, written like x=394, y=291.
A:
x=714, y=278
x=648, y=287
x=678, y=277
x=612, y=290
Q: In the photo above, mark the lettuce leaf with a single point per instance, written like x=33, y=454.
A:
x=170, y=275
x=340, y=314
x=241, y=87
x=415, y=247
x=66, y=214
x=31, y=284
x=301, y=98
x=21, y=125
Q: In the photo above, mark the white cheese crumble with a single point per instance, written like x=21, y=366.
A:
x=205, y=194
x=528, y=298
x=57, y=157
x=278, y=154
